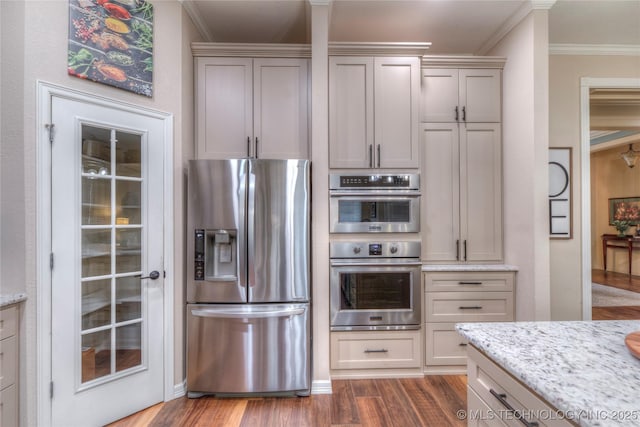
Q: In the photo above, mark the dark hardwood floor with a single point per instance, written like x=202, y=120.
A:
x=621, y=281
x=430, y=401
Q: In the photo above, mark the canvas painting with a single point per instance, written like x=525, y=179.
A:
x=111, y=42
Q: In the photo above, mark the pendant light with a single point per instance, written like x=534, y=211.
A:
x=630, y=156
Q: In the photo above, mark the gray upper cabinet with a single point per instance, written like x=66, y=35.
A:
x=461, y=95
x=252, y=107
x=373, y=112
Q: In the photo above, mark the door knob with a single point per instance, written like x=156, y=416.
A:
x=153, y=275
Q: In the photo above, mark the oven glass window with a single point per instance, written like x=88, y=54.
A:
x=375, y=291
x=374, y=211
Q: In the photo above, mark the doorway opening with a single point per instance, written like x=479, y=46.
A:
x=610, y=110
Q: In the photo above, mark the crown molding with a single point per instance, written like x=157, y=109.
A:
x=450, y=61
x=594, y=49
x=378, y=49
x=508, y=25
x=542, y=4
x=251, y=50
x=196, y=18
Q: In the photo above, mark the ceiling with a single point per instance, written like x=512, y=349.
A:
x=452, y=26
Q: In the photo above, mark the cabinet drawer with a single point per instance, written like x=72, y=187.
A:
x=375, y=349
x=9, y=407
x=468, y=281
x=8, y=321
x=491, y=382
x=479, y=414
x=469, y=306
x=444, y=345
x=8, y=361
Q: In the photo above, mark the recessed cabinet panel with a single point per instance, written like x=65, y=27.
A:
x=224, y=106
x=439, y=95
x=481, y=187
x=440, y=209
x=351, y=112
x=480, y=94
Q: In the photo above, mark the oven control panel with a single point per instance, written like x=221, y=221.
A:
x=400, y=249
x=350, y=182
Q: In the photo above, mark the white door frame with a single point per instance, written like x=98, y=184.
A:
x=586, y=83
x=45, y=91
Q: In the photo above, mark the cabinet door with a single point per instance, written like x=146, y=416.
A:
x=481, y=191
x=396, y=112
x=439, y=95
x=224, y=107
x=350, y=112
x=480, y=94
x=440, y=190
x=280, y=108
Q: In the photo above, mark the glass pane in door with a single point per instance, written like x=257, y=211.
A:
x=112, y=296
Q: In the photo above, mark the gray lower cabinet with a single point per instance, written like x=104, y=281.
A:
x=9, y=340
x=461, y=296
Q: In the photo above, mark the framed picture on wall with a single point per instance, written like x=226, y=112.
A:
x=625, y=209
x=560, y=224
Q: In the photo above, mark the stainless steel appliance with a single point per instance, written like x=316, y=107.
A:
x=375, y=285
x=374, y=203
x=248, y=287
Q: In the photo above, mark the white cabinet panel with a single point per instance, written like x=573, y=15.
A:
x=444, y=345
x=373, y=112
x=375, y=350
x=251, y=108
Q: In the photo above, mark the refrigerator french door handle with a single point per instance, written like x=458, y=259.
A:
x=240, y=314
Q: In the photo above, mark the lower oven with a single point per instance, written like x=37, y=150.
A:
x=375, y=285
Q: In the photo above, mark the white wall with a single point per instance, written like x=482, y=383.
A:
x=565, y=72
x=34, y=37
x=525, y=154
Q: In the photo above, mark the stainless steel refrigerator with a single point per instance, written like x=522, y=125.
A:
x=248, y=277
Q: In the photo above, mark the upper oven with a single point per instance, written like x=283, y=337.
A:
x=375, y=203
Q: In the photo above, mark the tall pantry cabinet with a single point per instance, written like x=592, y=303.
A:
x=251, y=107
x=461, y=165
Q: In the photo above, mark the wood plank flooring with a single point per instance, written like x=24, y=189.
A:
x=430, y=401
x=621, y=281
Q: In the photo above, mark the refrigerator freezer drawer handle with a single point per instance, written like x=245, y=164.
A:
x=247, y=315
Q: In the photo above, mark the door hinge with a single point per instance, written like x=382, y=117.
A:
x=51, y=261
x=51, y=390
x=164, y=274
x=50, y=127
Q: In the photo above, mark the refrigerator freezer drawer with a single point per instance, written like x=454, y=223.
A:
x=248, y=348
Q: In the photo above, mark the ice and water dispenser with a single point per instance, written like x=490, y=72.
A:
x=215, y=255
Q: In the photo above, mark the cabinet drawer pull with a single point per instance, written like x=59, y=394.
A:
x=469, y=283
x=370, y=155
x=456, y=119
x=473, y=307
x=502, y=398
x=463, y=344
x=464, y=114
x=382, y=350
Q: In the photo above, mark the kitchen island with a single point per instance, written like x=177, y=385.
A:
x=552, y=373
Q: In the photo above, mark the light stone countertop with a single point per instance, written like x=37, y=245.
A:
x=468, y=267
x=8, y=299
x=581, y=368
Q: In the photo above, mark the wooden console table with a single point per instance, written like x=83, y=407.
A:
x=627, y=242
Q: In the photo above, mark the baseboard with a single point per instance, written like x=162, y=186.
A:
x=321, y=387
x=180, y=389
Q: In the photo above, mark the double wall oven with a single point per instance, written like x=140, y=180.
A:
x=375, y=252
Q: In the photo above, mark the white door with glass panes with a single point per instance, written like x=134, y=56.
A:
x=107, y=201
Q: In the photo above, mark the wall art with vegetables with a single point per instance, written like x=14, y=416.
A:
x=111, y=42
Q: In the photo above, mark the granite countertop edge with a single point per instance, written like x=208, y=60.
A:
x=586, y=353
x=8, y=299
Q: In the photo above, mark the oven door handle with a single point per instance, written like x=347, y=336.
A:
x=376, y=195
x=350, y=262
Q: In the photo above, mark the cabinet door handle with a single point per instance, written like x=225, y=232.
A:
x=464, y=114
x=456, y=113
x=463, y=344
x=457, y=250
x=248, y=146
x=469, y=283
x=465, y=250
x=502, y=398
x=256, y=146
x=382, y=350
x=473, y=307
x=378, y=155
x=370, y=155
